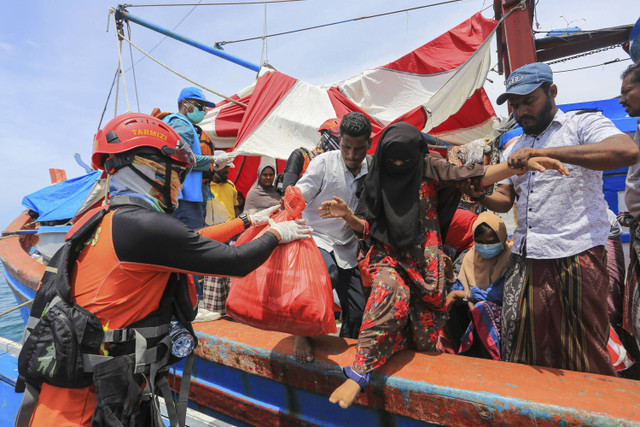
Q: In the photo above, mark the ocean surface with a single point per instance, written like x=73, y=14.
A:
x=11, y=325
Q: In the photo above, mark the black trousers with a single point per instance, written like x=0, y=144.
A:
x=348, y=285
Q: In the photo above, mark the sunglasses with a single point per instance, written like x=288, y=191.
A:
x=197, y=105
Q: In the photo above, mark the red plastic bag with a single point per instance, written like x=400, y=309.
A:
x=291, y=292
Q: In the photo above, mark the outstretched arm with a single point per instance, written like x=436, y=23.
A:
x=614, y=152
x=496, y=173
x=337, y=208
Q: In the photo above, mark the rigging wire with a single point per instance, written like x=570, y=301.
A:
x=240, y=3
x=165, y=37
x=339, y=22
x=593, y=66
x=264, y=55
x=235, y=101
x=119, y=37
x=104, y=110
x=133, y=71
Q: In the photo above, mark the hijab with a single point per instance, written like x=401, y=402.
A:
x=482, y=272
x=259, y=196
x=391, y=192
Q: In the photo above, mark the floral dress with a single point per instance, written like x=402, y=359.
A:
x=407, y=306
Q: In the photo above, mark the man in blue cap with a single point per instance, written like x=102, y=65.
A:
x=555, y=297
x=192, y=107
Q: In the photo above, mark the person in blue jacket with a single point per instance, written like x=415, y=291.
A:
x=192, y=107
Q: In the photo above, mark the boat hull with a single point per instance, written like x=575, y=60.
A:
x=246, y=376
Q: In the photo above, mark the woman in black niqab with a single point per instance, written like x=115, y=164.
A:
x=392, y=185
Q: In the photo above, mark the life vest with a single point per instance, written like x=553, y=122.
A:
x=307, y=158
x=206, y=148
x=192, y=186
x=64, y=344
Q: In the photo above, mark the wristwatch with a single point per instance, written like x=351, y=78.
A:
x=245, y=218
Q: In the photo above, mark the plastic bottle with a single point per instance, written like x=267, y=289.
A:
x=182, y=342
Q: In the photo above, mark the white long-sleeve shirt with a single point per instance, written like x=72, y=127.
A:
x=325, y=177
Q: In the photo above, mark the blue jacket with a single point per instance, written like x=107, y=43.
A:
x=192, y=186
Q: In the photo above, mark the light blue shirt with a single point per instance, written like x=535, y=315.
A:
x=325, y=177
x=560, y=216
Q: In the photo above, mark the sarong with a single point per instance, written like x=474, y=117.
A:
x=215, y=292
x=555, y=312
x=616, y=268
x=631, y=297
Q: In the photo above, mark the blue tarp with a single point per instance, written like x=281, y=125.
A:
x=61, y=201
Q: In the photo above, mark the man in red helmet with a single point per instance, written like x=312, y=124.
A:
x=128, y=272
x=299, y=159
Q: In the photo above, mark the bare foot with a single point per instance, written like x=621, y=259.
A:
x=302, y=349
x=346, y=394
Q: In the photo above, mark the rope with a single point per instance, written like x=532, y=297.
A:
x=16, y=307
x=183, y=76
x=264, y=55
x=133, y=71
x=211, y=4
x=119, y=37
x=339, y=22
x=104, y=110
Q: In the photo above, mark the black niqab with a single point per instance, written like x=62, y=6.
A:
x=391, y=192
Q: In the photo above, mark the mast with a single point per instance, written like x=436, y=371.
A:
x=122, y=14
x=516, y=45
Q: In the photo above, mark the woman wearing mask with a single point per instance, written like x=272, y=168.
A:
x=478, y=290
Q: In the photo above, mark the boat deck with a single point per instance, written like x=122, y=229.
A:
x=252, y=375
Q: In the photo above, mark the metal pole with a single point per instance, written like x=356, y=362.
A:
x=121, y=13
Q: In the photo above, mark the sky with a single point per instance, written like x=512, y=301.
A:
x=58, y=59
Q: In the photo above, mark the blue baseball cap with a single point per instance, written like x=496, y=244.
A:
x=195, y=93
x=526, y=79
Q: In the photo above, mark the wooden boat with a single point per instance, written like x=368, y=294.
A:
x=246, y=376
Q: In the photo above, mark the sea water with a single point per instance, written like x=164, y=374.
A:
x=11, y=325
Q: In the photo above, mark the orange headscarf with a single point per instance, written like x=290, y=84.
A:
x=482, y=272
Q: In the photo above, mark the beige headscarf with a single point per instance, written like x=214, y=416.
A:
x=479, y=271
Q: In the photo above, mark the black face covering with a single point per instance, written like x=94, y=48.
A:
x=391, y=190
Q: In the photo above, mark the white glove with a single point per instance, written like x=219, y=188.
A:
x=262, y=217
x=292, y=230
x=223, y=160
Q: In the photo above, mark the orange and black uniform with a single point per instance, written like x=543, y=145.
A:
x=296, y=165
x=121, y=274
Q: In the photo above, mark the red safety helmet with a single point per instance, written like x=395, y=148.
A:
x=332, y=126
x=131, y=131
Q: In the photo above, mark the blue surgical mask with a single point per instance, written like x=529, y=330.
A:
x=196, y=116
x=490, y=250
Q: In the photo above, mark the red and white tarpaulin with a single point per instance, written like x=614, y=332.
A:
x=437, y=88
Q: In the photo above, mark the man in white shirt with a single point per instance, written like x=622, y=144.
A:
x=555, y=299
x=630, y=100
x=337, y=174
